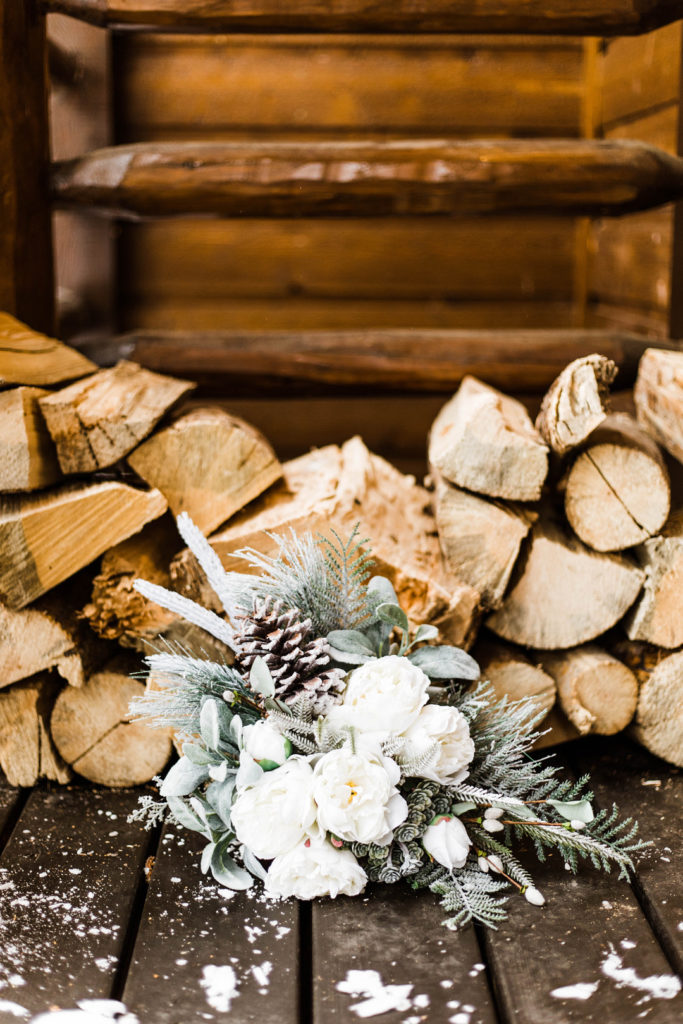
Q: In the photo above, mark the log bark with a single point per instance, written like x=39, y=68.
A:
x=415, y=360
x=480, y=539
x=208, y=464
x=28, y=459
x=657, y=617
x=95, y=735
x=658, y=723
x=617, y=492
x=45, y=539
x=513, y=675
x=334, y=488
x=596, y=691
x=370, y=178
x=97, y=421
x=575, y=402
x=26, y=749
x=33, y=359
x=659, y=398
x=563, y=594
x=597, y=17
x=484, y=441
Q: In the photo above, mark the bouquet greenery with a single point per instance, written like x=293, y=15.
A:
x=338, y=746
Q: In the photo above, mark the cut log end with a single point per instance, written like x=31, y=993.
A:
x=27, y=753
x=658, y=723
x=597, y=693
x=28, y=459
x=575, y=403
x=514, y=676
x=658, y=396
x=657, y=616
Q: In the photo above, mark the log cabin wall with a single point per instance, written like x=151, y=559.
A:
x=637, y=96
x=499, y=271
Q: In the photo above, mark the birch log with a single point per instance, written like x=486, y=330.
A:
x=28, y=459
x=562, y=593
x=484, y=441
x=657, y=616
x=596, y=691
x=617, y=492
x=97, y=421
x=27, y=753
x=575, y=402
x=208, y=464
x=658, y=396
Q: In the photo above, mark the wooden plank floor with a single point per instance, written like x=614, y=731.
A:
x=85, y=913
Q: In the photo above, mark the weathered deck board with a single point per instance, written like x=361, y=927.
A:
x=68, y=883
x=654, y=796
x=399, y=934
x=193, y=933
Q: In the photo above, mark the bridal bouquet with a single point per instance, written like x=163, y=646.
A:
x=339, y=746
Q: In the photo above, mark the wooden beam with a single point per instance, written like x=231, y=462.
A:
x=26, y=278
x=243, y=362
x=403, y=177
x=676, y=302
x=592, y=17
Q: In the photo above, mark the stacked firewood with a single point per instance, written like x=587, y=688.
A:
x=550, y=550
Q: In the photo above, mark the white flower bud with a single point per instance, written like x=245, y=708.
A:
x=447, y=842
x=494, y=812
x=493, y=825
x=577, y=825
x=532, y=895
x=483, y=864
x=266, y=744
x=495, y=863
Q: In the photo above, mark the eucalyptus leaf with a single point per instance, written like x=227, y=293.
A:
x=198, y=754
x=220, y=796
x=253, y=864
x=226, y=871
x=351, y=641
x=249, y=772
x=574, y=810
x=207, y=854
x=461, y=808
x=381, y=590
x=425, y=632
x=445, y=663
x=184, y=816
x=183, y=778
x=392, y=615
x=209, y=725
x=260, y=679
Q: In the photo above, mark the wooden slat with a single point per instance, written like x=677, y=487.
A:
x=569, y=942
x=69, y=877
x=408, y=177
x=225, y=88
x=398, y=934
x=653, y=796
x=631, y=260
x=640, y=74
x=191, y=928
x=410, y=360
x=26, y=283
x=592, y=17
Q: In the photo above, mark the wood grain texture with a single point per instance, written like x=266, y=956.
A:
x=656, y=617
x=574, y=405
x=370, y=178
x=639, y=74
x=28, y=357
x=28, y=459
x=593, y=17
x=658, y=396
x=26, y=275
x=231, y=87
x=597, y=692
x=243, y=362
x=27, y=752
x=73, y=868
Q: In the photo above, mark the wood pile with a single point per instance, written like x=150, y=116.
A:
x=549, y=549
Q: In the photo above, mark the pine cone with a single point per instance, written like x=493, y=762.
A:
x=297, y=661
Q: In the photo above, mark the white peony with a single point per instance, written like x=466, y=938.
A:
x=383, y=696
x=266, y=744
x=448, y=728
x=274, y=814
x=357, y=796
x=447, y=842
x=315, y=868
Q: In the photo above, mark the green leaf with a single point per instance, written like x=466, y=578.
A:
x=226, y=871
x=577, y=810
x=219, y=796
x=260, y=679
x=207, y=854
x=209, y=725
x=425, y=632
x=445, y=663
x=392, y=615
x=350, y=647
x=198, y=754
x=382, y=591
x=253, y=864
x=461, y=808
x=183, y=778
x=182, y=814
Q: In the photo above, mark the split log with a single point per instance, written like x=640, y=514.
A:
x=597, y=693
x=484, y=441
x=557, y=729
x=27, y=357
x=44, y=539
x=208, y=464
x=480, y=539
x=575, y=402
x=26, y=749
x=97, y=421
x=657, y=617
x=658, y=723
x=28, y=459
x=332, y=488
x=659, y=398
x=617, y=493
x=95, y=735
x=563, y=593
x=513, y=675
